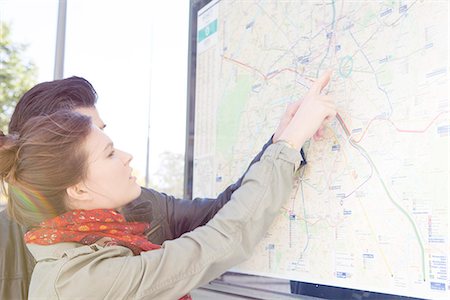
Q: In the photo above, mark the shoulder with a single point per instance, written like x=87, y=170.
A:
x=143, y=203
x=63, y=268
x=147, y=207
x=67, y=253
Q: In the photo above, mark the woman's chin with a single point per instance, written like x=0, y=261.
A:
x=136, y=192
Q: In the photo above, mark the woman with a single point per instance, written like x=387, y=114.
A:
x=67, y=182
x=168, y=216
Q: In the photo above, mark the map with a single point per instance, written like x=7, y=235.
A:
x=370, y=210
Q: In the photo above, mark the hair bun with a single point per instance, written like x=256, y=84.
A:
x=9, y=145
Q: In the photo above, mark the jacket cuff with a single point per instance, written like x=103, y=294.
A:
x=286, y=153
x=302, y=153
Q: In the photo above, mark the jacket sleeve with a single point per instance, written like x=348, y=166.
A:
x=16, y=262
x=170, y=217
x=228, y=239
x=186, y=215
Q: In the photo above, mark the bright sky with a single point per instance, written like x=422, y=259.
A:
x=134, y=52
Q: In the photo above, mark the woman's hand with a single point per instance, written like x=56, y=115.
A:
x=314, y=109
x=286, y=118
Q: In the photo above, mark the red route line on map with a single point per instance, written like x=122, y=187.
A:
x=338, y=116
x=399, y=129
x=265, y=77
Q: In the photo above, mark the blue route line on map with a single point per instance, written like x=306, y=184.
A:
x=284, y=54
x=376, y=78
x=368, y=178
x=333, y=23
x=289, y=50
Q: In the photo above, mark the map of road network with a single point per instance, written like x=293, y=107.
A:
x=370, y=210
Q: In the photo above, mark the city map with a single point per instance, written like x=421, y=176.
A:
x=370, y=210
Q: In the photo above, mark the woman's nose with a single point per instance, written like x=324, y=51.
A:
x=126, y=157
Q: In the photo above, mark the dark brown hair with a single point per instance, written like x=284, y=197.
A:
x=40, y=164
x=48, y=97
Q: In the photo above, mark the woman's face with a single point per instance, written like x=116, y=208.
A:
x=109, y=181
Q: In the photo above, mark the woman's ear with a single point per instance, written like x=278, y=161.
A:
x=78, y=192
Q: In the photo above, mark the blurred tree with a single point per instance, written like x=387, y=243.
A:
x=169, y=178
x=17, y=75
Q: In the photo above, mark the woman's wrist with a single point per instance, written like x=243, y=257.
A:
x=297, y=145
x=286, y=143
x=295, y=139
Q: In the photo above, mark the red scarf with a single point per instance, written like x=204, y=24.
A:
x=88, y=226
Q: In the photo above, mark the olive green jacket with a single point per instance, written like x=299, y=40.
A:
x=75, y=271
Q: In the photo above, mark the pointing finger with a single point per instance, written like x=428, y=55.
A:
x=321, y=82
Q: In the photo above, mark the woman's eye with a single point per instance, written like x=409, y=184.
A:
x=111, y=154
